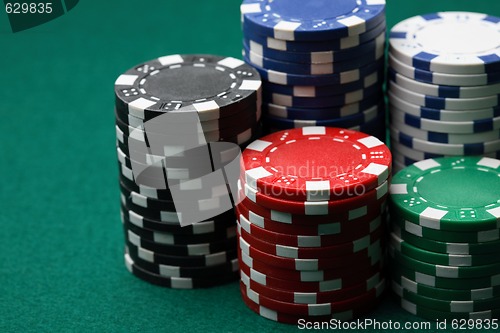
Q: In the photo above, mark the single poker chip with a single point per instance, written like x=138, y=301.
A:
x=443, y=148
x=453, y=284
x=311, y=286
x=458, y=127
x=482, y=115
x=309, y=270
x=351, y=207
x=286, y=318
x=461, y=104
x=321, y=113
x=465, y=80
x=174, y=239
x=313, y=297
x=451, y=272
x=375, y=92
x=447, y=306
x=426, y=311
x=181, y=271
x=310, y=69
x=181, y=250
x=443, y=91
x=218, y=225
x=333, y=251
x=206, y=84
x=446, y=294
x=446, y=235
x=339, y=232
x=317, y=20
x=323, y=309
x=344, y=122
x=458, y=260
x=448, y=42
x=375, y=78
x=364, y=161
x=285, y=78
x=374, y=118
x=371, y=50
x=484, y=248
x=448, y=138
x=208, y=260
x=416, y=193
x=328, y=45
x=297, y=242
x=176, y=282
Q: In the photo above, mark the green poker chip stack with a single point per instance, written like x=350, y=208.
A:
x=445, y=238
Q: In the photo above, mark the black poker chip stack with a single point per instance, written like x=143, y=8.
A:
x=162, y=106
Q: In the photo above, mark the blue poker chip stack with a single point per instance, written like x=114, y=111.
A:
x=444, y=86
x=321, y=62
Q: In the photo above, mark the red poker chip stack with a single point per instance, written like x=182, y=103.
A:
x=311, y=223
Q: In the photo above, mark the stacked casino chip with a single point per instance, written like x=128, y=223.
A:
x=162, y=107
x=444, y=86
x=321, y=62
x=310, y=223
x=445, y=240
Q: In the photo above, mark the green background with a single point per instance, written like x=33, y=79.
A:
x=61, y=242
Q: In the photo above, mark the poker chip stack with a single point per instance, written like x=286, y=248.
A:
x=445, y=240
x=444, y=86
x=212, y=98
x=310, y=223
x=321, y=61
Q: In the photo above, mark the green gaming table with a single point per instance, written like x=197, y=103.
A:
x=61, y=240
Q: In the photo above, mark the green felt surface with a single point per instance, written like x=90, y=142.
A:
x=61, y=244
